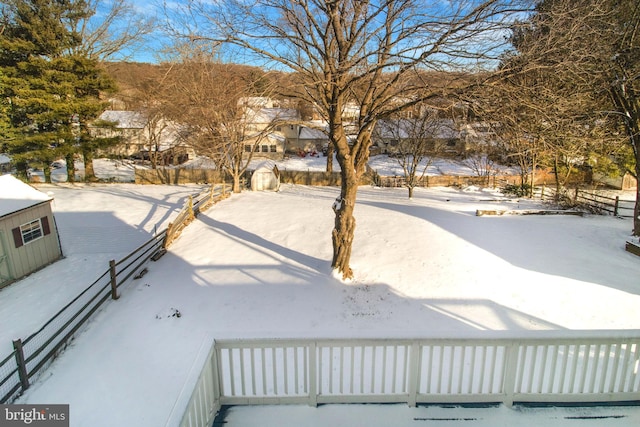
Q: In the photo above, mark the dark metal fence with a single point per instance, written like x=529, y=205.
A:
x=33, y=354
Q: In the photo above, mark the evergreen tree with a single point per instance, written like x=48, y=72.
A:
x=51, y=93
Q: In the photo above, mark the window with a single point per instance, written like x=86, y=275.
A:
x=31, y=231
x=247, y=148
x=265, y=148
x=272, y=148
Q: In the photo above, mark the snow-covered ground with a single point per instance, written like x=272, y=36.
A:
x=258, y=265
x=123, y=170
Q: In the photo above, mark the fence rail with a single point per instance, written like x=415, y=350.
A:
x=33, y=354
x=592, y=367
x=591, y=199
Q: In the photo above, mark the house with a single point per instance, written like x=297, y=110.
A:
x=442, y=136
x=306, y=139
x=28, y=235
x=127, y=125
x=268, y=127
x=143, y=138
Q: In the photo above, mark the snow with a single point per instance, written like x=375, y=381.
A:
x=258, y=265
x=15, y=195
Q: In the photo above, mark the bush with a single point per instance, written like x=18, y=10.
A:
x=516, y=190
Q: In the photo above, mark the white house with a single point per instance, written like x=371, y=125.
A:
x=28, y=235
x=141, y=137
x=269, y=127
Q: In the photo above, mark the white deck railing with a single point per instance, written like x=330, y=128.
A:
x=585, y=367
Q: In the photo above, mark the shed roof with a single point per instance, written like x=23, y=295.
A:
x=264, y=166
x=15, y=195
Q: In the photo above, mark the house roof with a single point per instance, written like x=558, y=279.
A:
x=15, y=195
x=311, y=133
x=406, y=128
x=270, y=115
x=124, y=119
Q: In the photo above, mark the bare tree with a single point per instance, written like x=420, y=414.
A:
x=363, y=52
x=117, y=32
x=221, y=106
x=417, y=144
x=591, y=48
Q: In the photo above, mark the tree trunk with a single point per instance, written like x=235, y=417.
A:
x=89, y=173
x=71, y=168
x=410, y=187
x=46, y=170
x=556, y=175
x=236, y=183
x=636, y=208
x=330, y=157
x=345, y=224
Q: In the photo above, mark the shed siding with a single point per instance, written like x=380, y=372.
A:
x=29, y=257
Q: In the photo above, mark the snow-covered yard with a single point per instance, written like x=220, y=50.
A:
x=123, y=170
x=258, y=265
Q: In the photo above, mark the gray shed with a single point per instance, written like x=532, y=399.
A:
x=28, y=236
x=265, y=177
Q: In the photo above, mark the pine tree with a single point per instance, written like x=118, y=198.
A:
x=51, y=92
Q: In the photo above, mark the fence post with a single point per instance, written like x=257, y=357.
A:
x=313, y=375
x=616, y=206
x=22, y=366
x=114, y=283
x=510, y=371
x=190, y=208
x=414, y=374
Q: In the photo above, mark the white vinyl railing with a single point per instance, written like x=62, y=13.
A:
x=589, y=367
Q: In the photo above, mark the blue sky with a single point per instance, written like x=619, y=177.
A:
x=160, y=10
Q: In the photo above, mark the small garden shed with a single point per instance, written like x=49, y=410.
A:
x=28, y=236
x=265, y=177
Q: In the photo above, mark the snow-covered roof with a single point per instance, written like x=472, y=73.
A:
x=124, y=119
x=256, y=102
x=4, y=159
x=404, y=128
x=270, y=115
x=15, y=195
x=266, y=165
x=311, y=133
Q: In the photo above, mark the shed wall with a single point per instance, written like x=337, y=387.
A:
x=33, y=255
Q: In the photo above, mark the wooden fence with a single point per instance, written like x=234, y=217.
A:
x=547, y=366
x=176, y=176
x=194, y=205
x=593, y=200
x=32, y=355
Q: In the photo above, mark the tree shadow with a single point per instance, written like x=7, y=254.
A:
x=526, y=242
